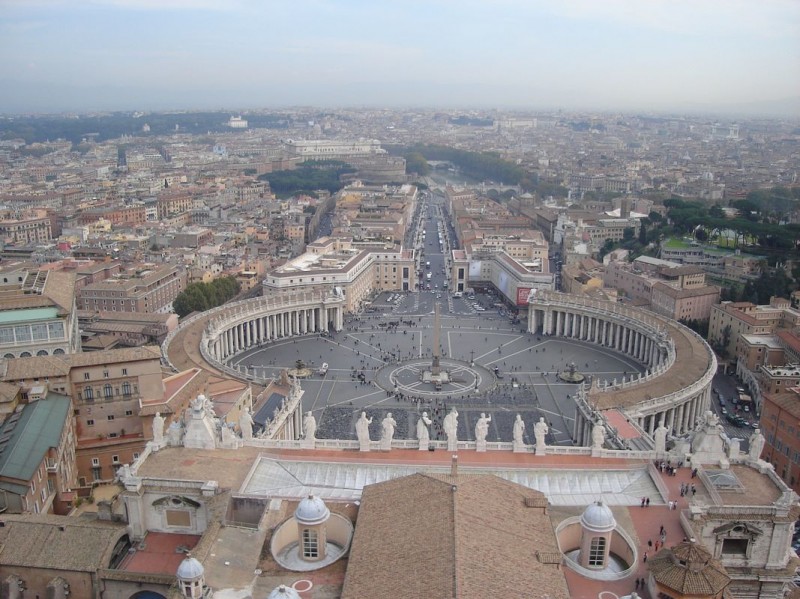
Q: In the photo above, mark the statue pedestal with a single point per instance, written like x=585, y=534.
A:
x=452, y=444
x=363, y=446
x=309, y=443
x=386, y=444
x=481, y=446
x=518, y=447
x=541, y=449
x=424, y=444
x=597, y=452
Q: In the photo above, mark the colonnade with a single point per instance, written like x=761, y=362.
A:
x=252, y=329
x=642, y=336
x=625, y=337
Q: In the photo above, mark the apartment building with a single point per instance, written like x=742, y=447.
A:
x=728, y=321
x=337, y=262
x=780, y=422
x=37, y=313
x=37, y=456
x=148, y=288
x=107, y=390
x=25, y=229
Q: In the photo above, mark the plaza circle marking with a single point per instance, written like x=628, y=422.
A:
x=406, y=378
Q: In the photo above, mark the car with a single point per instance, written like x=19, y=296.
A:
x=746, y=408
x=723, y=411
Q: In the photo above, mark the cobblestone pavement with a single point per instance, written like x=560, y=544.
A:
x=522, y=369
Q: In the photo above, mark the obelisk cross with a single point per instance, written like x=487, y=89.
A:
x=437, y=352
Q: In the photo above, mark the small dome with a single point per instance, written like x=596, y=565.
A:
x=597, y=517
x=311, y=510
x=190, y=569
x=284, y=592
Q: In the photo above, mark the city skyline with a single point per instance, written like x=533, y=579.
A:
x=708, y=56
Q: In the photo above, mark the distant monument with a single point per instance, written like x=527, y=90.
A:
x=598, y=436
x=436, y=376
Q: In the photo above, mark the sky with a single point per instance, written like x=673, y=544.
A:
x=618, y=55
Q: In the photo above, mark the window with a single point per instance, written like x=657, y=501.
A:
x=124, y=372
x=126, y=389
x=735, y=547
x=90, y=422
x=85, y=376
x=115, y=459
x=111, y=416
x=135, y=455
x=129, y=412
x=107, y=391
x=95, y=462
x=597, y=551
x=310, y=549
x=88, y=393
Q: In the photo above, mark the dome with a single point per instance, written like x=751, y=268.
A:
x=283, y=592
x=311, y=510
x=190, y=569
x=598, y=518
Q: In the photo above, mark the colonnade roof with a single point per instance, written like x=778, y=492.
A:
x=692, y=360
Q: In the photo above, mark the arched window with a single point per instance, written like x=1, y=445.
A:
x=41, y=352
x=58, y=351
x=597, y=552
x=310, y=549
x=126, y=389
x=107, y=391
x=25, y=354
x=88, y=393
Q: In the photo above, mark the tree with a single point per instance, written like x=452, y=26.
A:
x=198, y=297
x=628, y=234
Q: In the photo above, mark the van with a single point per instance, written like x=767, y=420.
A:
x=458, y=294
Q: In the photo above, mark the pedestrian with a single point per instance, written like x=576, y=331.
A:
x=650, y=543
x=637, y=584
x=647, y=503
x=644, y=559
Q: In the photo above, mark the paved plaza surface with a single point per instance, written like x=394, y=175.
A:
x=377, y=361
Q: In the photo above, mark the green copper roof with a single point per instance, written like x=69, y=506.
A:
x=26, y=436
x=12, y=316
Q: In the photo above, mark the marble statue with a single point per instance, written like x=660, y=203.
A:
x=362, y=431
x=660, y=437
x=387, y=431
x=756, y=444
x=450, y=425
x=540, y=430
x=199, y=403
x=124, y=473
x=310, y=426
x=598, y=436
x=519, y=429
x=531, y=295
x=246, y=424
x=423, y=434
x=158, y=429
x=482, y=427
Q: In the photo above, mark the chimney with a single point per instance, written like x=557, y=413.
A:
x=454, y=466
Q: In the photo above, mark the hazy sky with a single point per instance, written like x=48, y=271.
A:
x=598, y=54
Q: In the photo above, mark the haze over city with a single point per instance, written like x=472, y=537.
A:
x=694, y=56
